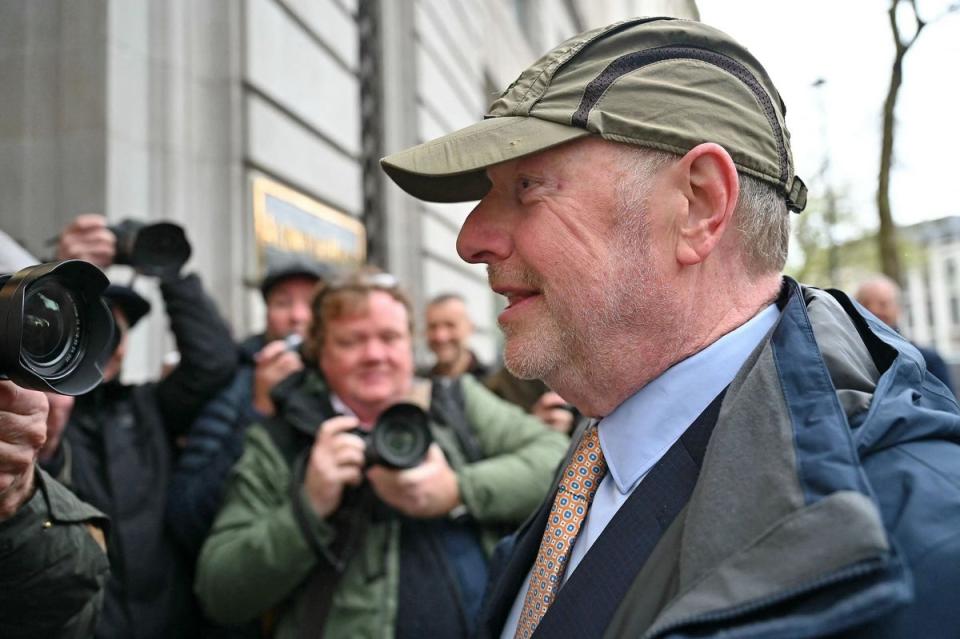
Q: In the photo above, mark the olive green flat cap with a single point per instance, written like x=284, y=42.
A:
x=661, y=83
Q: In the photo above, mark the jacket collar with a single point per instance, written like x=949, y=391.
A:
x=781, y=470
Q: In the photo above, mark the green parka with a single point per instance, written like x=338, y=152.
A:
x=52, y=566
x=257, y=558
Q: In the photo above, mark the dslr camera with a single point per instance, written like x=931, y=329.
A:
x=399, y=438
x=55, y=330
x=159, y=249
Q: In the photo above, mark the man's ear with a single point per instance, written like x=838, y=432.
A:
x=711, y=186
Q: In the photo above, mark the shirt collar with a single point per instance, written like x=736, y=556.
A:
x=339, y=407
x=643, y=428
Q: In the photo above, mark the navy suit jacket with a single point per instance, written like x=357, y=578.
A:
x=586, y=603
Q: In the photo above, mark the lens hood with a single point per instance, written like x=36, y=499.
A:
x=158, y=249
x=55, y=327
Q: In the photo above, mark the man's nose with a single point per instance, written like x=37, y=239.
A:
x=301, y=313
x=485, y=235
x=374, y=350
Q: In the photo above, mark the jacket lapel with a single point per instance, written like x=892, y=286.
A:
x=588, y=599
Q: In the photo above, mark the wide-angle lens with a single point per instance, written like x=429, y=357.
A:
x=50, y=326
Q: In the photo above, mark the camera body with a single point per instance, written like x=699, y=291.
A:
x=159, y=249
x=399, y=438
x=55, y=330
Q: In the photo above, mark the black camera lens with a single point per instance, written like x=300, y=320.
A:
x=399, y=441
x=56, y=329
x=156, y=249
x=51, y=333
x=400, y=438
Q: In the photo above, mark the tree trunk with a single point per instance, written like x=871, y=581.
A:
x=887, y=234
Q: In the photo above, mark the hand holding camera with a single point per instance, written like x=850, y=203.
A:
x=88, y=238
x=159, y=249
x=555, y=412
x=426, y=491
x=23, y=430
x=336, y=461
x=275, y=362
x=400, y=441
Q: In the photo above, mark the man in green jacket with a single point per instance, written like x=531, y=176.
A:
x=53, y=562
x=324, y=543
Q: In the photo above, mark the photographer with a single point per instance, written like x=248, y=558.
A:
x=52, y=561
x=215, y=440
x=118, y=450
x=331, y=545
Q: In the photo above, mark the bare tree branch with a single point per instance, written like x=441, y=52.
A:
x=886, y=236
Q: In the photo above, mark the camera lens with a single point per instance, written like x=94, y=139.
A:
x=402, y=440
x=56, y=327
x=50, y=326
x=400, y=437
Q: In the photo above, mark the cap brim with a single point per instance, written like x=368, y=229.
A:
x=452, y=168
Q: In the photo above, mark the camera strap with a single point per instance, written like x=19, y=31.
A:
x=448, y=406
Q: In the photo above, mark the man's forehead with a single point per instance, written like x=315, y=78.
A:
x=291, y=285
x=373, y=306
x=448, y=307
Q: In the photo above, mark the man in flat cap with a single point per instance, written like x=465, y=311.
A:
x=765, y=461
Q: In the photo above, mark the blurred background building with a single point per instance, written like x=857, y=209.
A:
x=930, y=302
x=931, y=291
x=258, y=125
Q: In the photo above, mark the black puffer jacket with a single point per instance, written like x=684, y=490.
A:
x=118, y=455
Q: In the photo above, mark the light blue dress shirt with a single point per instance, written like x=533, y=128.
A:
x=639, y=432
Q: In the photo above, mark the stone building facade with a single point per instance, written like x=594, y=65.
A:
x=257, y=125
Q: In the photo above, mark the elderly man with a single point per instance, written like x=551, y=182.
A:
x=767, y=462
x=881, y=296
x=338, y=548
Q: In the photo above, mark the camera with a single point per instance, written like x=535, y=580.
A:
x=159, y=249
x=399, y=438
x=55, y=330
x=293, y=342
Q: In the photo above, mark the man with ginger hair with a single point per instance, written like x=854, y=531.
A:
x=338, y=546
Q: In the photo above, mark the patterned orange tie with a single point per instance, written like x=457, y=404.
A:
x=574, y=495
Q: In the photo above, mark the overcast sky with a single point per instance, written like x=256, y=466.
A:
x=848, y=43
